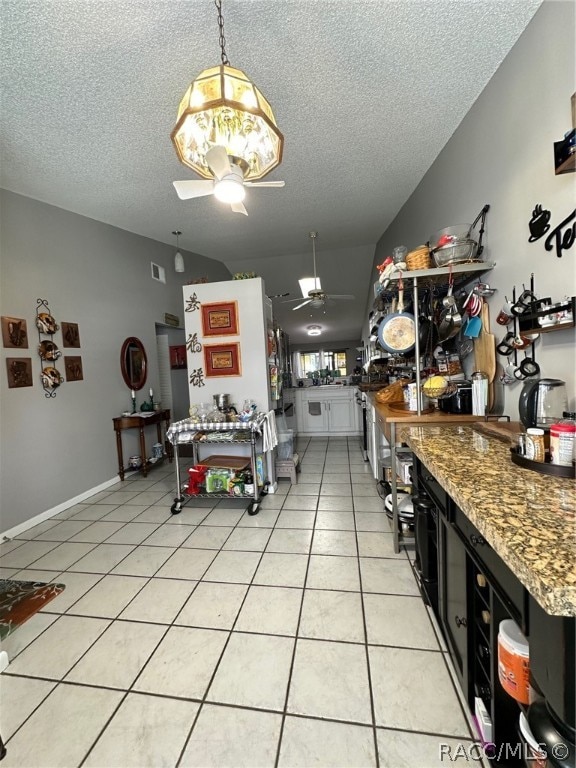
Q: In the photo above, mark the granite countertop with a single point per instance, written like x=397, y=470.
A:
x=528, y=518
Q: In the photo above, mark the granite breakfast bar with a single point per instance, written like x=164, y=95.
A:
x=528, y=518
x=506, y=549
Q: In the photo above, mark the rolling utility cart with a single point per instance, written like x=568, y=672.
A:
x=183, y=433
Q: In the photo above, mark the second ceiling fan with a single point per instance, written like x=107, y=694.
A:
x=317, y=298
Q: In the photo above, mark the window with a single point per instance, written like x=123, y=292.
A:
x=316, y=361
x=309, y=362
x=335, y=361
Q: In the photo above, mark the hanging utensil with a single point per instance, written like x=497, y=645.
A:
x=397, y=331
x=450, y=319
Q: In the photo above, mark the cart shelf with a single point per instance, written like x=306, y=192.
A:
x=180, y=433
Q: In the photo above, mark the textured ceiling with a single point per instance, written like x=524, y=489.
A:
x=366, y=92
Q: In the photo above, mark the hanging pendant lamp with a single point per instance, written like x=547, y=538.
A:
x=178, y=258
x=223, y=107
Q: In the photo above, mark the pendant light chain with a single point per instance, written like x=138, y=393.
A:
x=218, y=4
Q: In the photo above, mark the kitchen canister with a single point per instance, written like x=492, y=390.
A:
x=514, y=661
x=479, y=393
x=157, y=451
x=562, y=437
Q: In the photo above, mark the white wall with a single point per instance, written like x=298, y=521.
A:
x=502, y=154
x=253, y=381
x=98, y=276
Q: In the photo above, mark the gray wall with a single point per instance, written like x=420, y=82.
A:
x=99, y=277
x=502, y=154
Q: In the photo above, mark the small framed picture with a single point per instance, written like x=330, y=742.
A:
x=19, y=371
x=70, y=335
x=222, y=360
x=73, y=368
x=220, y=319
x=14, y=333
x=178, y=356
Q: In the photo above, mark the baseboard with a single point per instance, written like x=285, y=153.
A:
x=26, y=525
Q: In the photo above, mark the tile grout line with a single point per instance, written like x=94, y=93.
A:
x=293, y=659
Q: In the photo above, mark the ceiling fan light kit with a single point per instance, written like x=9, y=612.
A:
x=223, y=107
x=314, y=330
x=308, y=284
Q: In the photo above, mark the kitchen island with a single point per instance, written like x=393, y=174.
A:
x=528, y=518
x=503, y=541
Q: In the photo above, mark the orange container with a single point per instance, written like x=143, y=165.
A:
x=514, y=661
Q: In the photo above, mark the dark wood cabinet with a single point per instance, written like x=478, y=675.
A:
x=453, y=604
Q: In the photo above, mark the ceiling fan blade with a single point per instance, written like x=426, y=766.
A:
x=299, y=306
x=276, y=184
x=193, y=188
x=281, y=295
x=239, y=208
x=218, y=161
x=341, y=296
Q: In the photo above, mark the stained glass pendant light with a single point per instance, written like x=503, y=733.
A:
x=223, y=107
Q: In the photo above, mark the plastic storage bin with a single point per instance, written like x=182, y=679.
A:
x=285, y=445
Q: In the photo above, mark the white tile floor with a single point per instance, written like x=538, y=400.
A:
x=295, y=637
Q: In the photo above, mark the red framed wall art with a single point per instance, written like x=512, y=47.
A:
x=220, y=318
x=222, y=360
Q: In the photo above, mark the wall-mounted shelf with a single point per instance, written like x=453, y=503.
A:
x=565, y=154
x=528, y=323
x=439, y=276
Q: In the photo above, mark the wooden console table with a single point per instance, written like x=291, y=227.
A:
x=139, y=421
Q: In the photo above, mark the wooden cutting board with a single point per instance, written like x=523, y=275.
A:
x=506, y=431
x=485, y=353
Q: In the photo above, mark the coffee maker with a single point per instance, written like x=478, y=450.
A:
x=542, y=402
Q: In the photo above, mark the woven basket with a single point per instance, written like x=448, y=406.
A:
x=419, y=259
x=393, y=393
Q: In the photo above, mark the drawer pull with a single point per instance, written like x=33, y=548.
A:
x=477, y=541
x=481, y=580
x=460, y=622
x=486, y=617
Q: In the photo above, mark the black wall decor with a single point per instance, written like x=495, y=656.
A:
x=561, y=238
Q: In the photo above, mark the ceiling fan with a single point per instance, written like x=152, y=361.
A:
x=317, y=298
x=228, y=184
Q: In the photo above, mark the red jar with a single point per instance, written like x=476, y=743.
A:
x=562, y=436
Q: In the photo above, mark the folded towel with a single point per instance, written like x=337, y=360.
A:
x=315, y=409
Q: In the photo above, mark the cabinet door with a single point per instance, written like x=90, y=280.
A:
x=314, y=416
x=453, y=603
x=340, y=414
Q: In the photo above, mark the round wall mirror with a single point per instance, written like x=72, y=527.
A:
x=133, y=363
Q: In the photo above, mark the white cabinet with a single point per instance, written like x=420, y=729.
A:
x=327, y=411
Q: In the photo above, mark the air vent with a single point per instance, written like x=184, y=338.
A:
x=158, y=272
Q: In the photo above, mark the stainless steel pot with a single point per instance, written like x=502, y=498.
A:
x=222, y=402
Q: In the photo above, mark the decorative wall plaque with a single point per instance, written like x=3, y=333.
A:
x=73, y=368
x=19, y=370
x=70, y=335
x=14, y=333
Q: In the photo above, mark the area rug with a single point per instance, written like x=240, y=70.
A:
x=19, y=600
